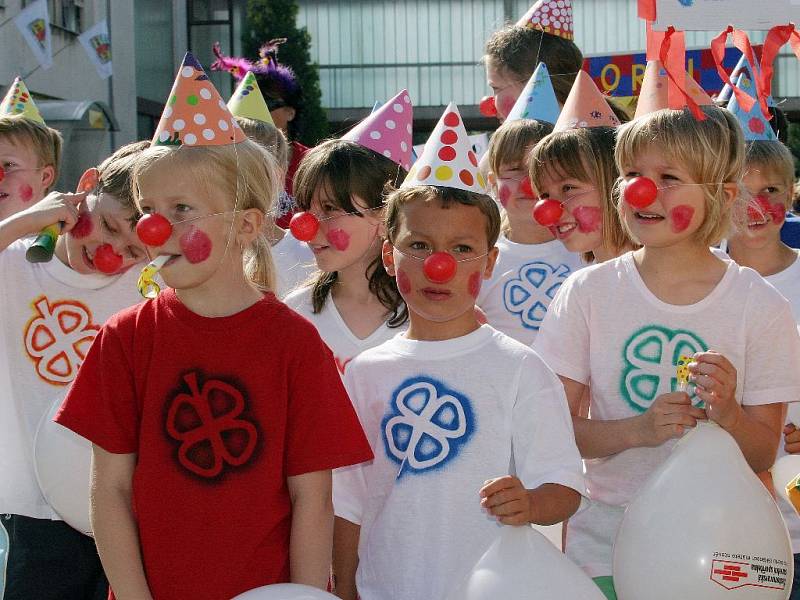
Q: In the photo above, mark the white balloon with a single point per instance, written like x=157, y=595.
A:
x=701, y=527
x=785, y=469
x=285, y=591
x=62, y=461
x=521, y=564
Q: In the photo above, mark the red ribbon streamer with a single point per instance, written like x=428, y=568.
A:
x=775, y=40
x=647, y=10
x=675, y=67
x=654, y=40
x=742, y=42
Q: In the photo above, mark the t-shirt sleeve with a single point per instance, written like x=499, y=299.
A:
x=323, y=431
x=563, y=338
x=543, y=440
x=101, y=405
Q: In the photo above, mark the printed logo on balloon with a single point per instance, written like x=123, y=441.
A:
x=427, y=425
x=530, y=293
x=650, y=358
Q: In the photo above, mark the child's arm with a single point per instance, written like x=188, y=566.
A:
x=345, y=557
x=507, y=499
x=53, y=208
x=114, y=526
x=311, y=542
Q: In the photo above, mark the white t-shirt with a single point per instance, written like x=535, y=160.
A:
x=294, y=264
x=334, y=331
x=524, y=282
x=606, y=329
x=50, y=317
x=442, y=418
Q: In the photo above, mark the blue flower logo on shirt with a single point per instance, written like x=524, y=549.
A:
x=426, y=426
x=529, y=295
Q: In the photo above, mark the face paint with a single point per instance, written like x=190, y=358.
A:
x=403, y=282
x=474, y=284
x=195, y=245
x=588, y=218
x=83, y=227
x=506, y=104
x=778, y=212
x=504, y=194
x=26, y=192
x=339, y=239
x=681, y=217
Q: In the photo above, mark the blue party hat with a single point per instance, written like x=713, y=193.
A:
x=754, y=123
x=743, y=66
x=537, y=100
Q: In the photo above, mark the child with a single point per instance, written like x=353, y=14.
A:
x=52, y=311
x=353, y=302
x=213, y=404
x=623, y=325
x=450, y=407
x=531, y=265
x=30, y=152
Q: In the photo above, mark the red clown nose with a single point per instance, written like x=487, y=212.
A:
x=527, y=188
x=487, y=107
x=640, y=192
x=153, y=229
x=440, y=267
x=304, y=226
x=106, y=260
x=547, y=212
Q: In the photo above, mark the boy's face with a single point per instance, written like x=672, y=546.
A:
x=506, y=87
x=443, y=310
x=767, y=208
x=24, y=182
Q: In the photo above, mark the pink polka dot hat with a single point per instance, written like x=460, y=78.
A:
x=551, y=16
x=18, y=101
x=755, y=124
x=387, y=130
x=653, y=95
x=448, y=159
x=195, y=114
x=585, y=106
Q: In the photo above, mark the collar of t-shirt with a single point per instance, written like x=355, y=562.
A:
x=441, y=349
x=169, y=301
x=531, y=250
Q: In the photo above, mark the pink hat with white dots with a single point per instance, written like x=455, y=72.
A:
x=551, y=16
x=387, y=130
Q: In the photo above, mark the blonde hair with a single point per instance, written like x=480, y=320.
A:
x=45, y=141
x=711, y=151
x=268, y=136
x=774, y=158
x=248, y=176
x=512, y=140
x=586, y=154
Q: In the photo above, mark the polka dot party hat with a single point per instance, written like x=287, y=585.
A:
x=755, y=124
x=551, y=16
x=195, y=114
x=537, y=100
x=448, y=159
x=585, y=106
x=247, y=101
x=654, y=96
x=18, y=101
x=387, y=130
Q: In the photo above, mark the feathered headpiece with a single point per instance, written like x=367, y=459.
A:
x=266, y=67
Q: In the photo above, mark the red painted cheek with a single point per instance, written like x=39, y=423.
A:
x=26, y=192
x=83, y=227
x=504, y=193
x=474, y=284
x=403, y=282
x=339, y=239
x=195, y=245
x=506, y=104
x=778, y=212
x=681, y=217
x=588, y=218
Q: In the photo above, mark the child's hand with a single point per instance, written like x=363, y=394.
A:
x=715, y=383
x=668, y=417
x=791, y=439
x=507, y=499
x=54, y=208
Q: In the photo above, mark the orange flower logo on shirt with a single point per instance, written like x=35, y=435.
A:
x=58, y=337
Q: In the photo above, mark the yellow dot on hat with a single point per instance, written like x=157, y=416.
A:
x=208, y=134
x=179, y=124
x=223, y=125
x=187, y=71
x=443, y=173
x=205, y=94
x=199, y=118
x=481, y=180
x=190, y=138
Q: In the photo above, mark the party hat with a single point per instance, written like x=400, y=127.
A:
x=585, y=107
x=537, y=100
x=743, y=66
x=18, y=101
x=195, y=114
x=247, y=101
x=387, y=130
x=551, y=16
x=653, y=95
x=754, y=123
x=448, y=159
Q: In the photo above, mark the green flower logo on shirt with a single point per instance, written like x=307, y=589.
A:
x=650, y=360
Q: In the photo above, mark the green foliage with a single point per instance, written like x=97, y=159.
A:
x=269, y=19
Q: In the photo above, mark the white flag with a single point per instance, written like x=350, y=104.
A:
x=98, y=46
x=34, y=24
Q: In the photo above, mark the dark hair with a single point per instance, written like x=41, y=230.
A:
x=520, y=49
x=345, y=169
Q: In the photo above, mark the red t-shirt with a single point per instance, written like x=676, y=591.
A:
x=298, y=152
x=220, y=411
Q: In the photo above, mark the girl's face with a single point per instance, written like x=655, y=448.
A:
x=506, y=87
x=25, y=181
x=679, y=209
x=580, y=227
x=344, y=239
x=766, y=210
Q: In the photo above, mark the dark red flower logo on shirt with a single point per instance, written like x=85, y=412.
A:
x=209, y=424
